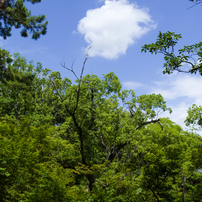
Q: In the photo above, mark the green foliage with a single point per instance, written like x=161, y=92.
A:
x=13, y=13
x=28, y=171
x=189, y=55
x=89, y=140
x=188, y=60
x=194, y=117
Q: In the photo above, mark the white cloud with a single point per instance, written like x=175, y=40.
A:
x=179, y=113
x=111, y=29
x=132, y=85
x=179, y=85
x=180, y=91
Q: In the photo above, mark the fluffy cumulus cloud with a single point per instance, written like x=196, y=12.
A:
x=180, y=91
x=115, y=26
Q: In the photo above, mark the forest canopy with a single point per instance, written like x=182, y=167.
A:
x=89, y=139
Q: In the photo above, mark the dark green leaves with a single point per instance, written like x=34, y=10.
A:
x=17, y=15
x=165, y=43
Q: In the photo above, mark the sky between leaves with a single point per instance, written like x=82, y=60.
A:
x=115, y=30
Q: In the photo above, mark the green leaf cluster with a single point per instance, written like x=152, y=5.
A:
x=89, y=140
x=190, y=55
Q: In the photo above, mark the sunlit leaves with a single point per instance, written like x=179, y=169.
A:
x=89, y=140
x=189, y=55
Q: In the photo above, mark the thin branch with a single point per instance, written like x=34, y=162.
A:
x=133, y=172
x=183, y=185
x=148, y=122
x=191, y=70
x=154, y=194
x=102, y=140
x=57, y=89
x=160, y=125
x=188, y=63
x=196, y=68
x=115, y=150
x=166, y=175
x=195, y=5
x=91, y=110
x=81, y=76
x=70, y=69
x=179, y=70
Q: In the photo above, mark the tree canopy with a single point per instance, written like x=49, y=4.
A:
x=186, y=60
x=89, y=140
x=13, y=13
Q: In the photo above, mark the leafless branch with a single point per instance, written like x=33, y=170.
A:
x=195, y=4
x=81, y=76
x=70, y=69
x=194, y=68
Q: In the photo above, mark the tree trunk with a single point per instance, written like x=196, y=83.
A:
x=91, y=180
x=183, y=186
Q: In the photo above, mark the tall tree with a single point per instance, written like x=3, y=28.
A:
x=13, y=13
x=89, y=141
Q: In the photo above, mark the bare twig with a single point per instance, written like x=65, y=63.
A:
x=70, y=69
x=195, y=4
x=81, y=76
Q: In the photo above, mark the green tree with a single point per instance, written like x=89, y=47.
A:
x=190, y=55
x=194, y=118
x=89, y=140
x=28, y=170
x=88, y=114
x=13, y=13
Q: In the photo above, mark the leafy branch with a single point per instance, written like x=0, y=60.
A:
x=191, y=55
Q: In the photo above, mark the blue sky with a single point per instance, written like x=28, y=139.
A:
x=117, y=30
